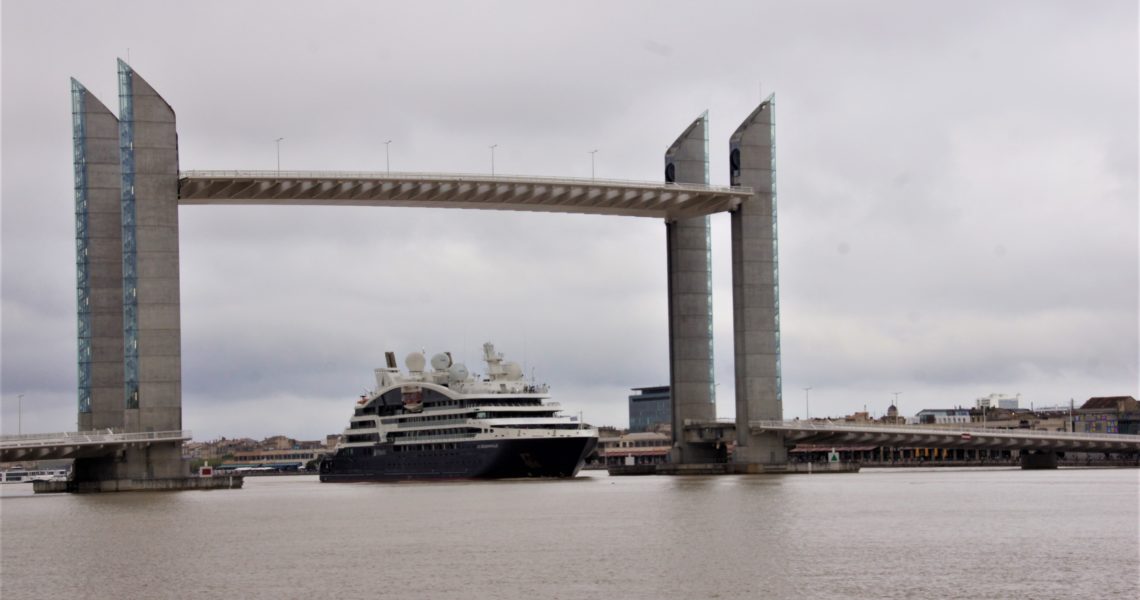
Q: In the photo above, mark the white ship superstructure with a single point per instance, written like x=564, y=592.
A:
x=446, y=422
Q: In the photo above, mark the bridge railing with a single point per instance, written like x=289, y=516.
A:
x=949, y=428
x=90, y=437
x=473, y=177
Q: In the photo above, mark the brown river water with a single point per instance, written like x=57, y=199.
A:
x=888, y=533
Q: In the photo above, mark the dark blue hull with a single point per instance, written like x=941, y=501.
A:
x=487, y=459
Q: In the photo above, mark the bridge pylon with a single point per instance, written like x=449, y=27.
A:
x=126, y=197
x=755, y=288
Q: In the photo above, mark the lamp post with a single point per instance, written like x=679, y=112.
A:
x=592, y=153
x=897, y=407
x=387, y=158
x=278, y=140
x=807, y=402
x=493, y=146
x=19, y=414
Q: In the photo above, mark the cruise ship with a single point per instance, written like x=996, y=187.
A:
x=446, y=423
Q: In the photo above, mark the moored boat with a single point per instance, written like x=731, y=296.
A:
x=445, y=423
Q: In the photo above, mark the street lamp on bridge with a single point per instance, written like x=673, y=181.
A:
x=807, y=402
x=278, y=140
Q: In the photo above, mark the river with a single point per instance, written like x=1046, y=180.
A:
x=881, y=533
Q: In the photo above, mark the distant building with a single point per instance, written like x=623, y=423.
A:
x=1108, y=414
x=858, y=417
x=278, y=442
x=998, y=401
x=634, y=448
x=649, y=407
x=893, y=417
x=278, y=459
x=937, y=416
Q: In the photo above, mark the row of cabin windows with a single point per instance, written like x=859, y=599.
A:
x=422, y=447
x=436, y=432
x=478, y=415
x=427, y=419
x=636, y=444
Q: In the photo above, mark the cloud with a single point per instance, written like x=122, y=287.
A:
x=957, y=192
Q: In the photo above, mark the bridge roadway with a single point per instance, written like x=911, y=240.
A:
x=918, y=436
x=80, y=444
x=442, y=190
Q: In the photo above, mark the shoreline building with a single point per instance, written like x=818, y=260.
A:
x=998, y=401
x=649, y=408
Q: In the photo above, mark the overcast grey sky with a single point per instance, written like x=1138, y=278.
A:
x=957, y=195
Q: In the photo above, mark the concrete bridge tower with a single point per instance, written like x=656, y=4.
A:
x=126, y=191
x=756, y=287
x=689, y=260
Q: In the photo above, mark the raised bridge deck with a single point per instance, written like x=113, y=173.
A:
x=80, y=444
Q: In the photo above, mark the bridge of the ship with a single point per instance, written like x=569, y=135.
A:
x=440, y=190
x=919, y=436
x=80, y=444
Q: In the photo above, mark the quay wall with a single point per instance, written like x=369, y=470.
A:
x=223, y=482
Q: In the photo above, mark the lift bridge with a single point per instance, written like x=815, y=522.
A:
x=129, y=188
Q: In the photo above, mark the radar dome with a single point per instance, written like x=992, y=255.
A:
x=457, y=372
x=441, y=361
x=415, y=362
x=513, y=370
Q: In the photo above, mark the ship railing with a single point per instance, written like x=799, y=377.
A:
x=108, y=436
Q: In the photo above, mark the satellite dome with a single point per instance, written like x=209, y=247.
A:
x=513, y=370
x=441, y=361
x=415, y=362
x=457, y=372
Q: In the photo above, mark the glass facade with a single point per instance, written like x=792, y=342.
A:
x=649, y=407
x=708, y=263
x=83, y=283
x=130, y=275
x=775, y=254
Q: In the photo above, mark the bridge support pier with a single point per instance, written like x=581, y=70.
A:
x=1038, y=459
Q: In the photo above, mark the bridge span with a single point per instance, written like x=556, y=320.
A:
x=81, y=444
x=1038, y=448
x=129, y=188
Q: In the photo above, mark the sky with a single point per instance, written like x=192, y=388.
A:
x=958, y=210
